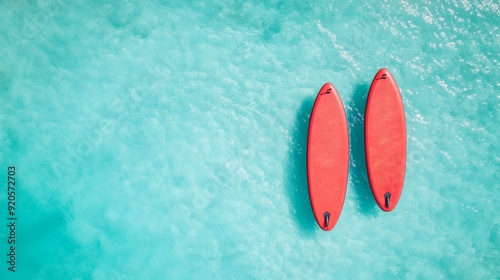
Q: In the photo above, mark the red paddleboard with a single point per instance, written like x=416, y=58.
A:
x=327, y=157
x=385, y=140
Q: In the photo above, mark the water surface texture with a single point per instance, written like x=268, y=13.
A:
x=167, y=140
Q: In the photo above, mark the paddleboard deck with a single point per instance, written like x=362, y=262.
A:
x=327, y=157
x=385, y=140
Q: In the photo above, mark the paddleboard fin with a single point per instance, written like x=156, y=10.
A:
x=326, y=215
x=387, y=197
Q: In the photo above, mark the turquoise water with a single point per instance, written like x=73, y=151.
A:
x=166, y=140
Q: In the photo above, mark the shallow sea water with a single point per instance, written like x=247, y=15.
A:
x=166, y=140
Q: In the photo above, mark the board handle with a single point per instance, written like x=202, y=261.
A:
x=387, y=197
x=326, y=215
